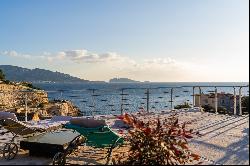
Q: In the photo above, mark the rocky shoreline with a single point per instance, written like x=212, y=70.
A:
x=14, y=96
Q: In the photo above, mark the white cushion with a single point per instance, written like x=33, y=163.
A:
x=61, y=118
x=5, y=115
x=88, y=123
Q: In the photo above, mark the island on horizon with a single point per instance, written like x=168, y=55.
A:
x=123, y=80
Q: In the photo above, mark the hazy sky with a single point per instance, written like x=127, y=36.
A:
x=155, y=40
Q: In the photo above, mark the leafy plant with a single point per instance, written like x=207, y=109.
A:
x=29, y=85
x=41, y=105
x=222, y=110
x=207, y=108
x=156, y=142
x=245, y=104
x=7, y=82
x=180, y=106
x=2, y=76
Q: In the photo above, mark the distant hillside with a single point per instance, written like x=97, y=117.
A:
x=14, y=73
x=122, y=80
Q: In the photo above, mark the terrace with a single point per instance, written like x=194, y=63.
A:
x=224, y=138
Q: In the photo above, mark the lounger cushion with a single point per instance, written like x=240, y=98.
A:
x=5, y=115
x=88, y=123
x=61, y=118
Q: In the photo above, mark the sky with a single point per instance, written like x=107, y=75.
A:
x=145, y=40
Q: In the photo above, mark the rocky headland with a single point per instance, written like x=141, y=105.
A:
x=14, y=97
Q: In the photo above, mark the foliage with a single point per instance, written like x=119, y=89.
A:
x=180, y=106
x=156, y=142
x=245, y=103
x=2, y=76
x=41, y=105
x=222, y=110
x=7, y=82
x=207, y=108
x=29, y=85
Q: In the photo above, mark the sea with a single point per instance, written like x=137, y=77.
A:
x=114, y=98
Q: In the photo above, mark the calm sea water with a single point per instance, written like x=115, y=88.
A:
x=107, y=98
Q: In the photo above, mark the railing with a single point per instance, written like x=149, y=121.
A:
x=154, y=99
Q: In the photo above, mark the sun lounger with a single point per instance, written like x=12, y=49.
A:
x=61, y=118
x=10, y=149
x=54, y=122
x=49, y=144
x=18, y=128
x=6, y=115
x=87, y=122
x=97, y=134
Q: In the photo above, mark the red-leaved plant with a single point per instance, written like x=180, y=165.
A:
x=156, y=142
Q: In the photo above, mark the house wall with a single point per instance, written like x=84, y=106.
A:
x=224, y=100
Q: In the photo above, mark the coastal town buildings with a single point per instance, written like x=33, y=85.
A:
x=225, y=101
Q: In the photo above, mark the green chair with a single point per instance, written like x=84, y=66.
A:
x=100, y=137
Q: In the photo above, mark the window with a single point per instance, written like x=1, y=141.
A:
x=222, y=102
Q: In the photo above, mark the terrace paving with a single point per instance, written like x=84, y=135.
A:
x=224, y=140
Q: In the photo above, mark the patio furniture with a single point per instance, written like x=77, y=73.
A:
x=99, y=137
x=6, y=115
x=17, y=128
x=10, y=149
x=62, y=142
x=61, y=118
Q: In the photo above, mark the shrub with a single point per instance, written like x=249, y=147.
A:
x=41, y=105
x=245, y=104
x=156, y=143
x=29, y=85
x=222, y=110
x=7, y=82
x=2, y=76
x=185, y=105
x=207, y=108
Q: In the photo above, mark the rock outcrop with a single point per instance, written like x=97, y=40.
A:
x=13, y=98
x=61, y=108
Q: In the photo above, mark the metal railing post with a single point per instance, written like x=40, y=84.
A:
x=147, y=100
x=122, y=102
x=240, y=104
x=171, y=96
x=200, y=98
x=93, y=102
x=216, y=101
x=193, y=96
x=26, y=107
x=235, y=102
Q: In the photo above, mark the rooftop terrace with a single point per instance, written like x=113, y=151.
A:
x=224, y=140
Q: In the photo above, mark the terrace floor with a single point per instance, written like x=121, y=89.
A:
x=224, y=140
